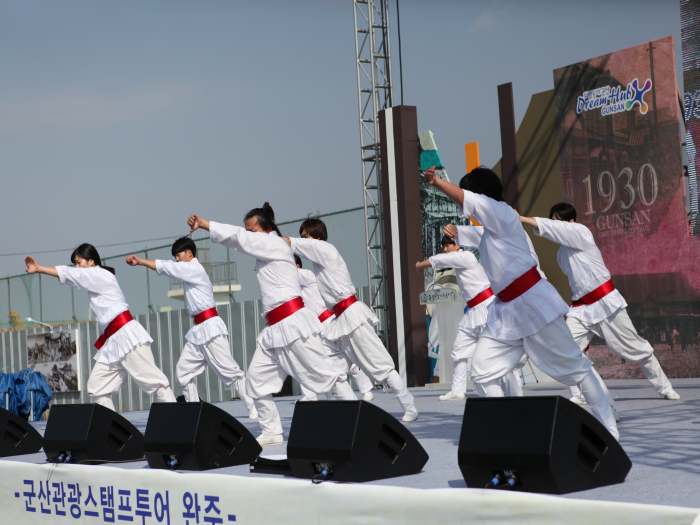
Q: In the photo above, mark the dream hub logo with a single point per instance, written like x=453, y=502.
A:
x=615, y=100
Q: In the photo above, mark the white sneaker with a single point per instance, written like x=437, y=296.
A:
x=269, y=441
x=616, y=414
x=303, y=399
x=369, y=396
x=253, y=414
x=452, y=396
x=616, y=435
x=410, y=415
x=579, y=400
x=671, y=395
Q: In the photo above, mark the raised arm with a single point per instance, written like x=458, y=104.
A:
x=422, y=265
x=319, y=252
x=132, y=260
x=263, y=246
x=468, y=236
x=569, y=234
x=33, y=267
x=453, y=192
x=457, y=259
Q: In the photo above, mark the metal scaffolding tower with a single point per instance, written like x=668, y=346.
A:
x=374, y=94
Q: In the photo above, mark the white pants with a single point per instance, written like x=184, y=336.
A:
x=622, y=339
x=105, y=379
x=215, y=353
x=365, y=349
x=462, y=351
x=306, y=361
x=553, y=351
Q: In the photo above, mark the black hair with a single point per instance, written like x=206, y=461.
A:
x=315, y=228
x=483, y=181
x=265, y=217
x=297, y=259
x=446, y=239
x=563, y=211
x=88, y=251
x=183, y=244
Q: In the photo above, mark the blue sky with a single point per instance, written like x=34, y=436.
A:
x=119, y=119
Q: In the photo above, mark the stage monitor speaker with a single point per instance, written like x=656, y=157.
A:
x=17, y=437
x=196, y=436
x=545, y=444
x=353, y=441
x=90, y=433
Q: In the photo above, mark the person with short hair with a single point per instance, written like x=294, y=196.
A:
x=207, y=340
x=352, y=327
x=314, y=301
x=477, y=293
x=124, y=346
x=597, y=307
x=291, y=343
x=527, y=316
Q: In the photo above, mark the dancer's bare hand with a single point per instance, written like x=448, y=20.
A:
x=418, y=268
x=32, y=266
x=132, y=260
x=289, y=241
x=451, y=231
x=429, y=175
x=195, y=222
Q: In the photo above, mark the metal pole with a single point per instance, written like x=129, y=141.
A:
x=228, y=275
x=148, y=285
x=9, y=302
x=41, y=302
x=72, y=298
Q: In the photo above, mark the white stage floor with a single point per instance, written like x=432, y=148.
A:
x=661, y=437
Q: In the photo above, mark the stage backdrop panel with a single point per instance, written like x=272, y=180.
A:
x=621, y=162
x=690, y=37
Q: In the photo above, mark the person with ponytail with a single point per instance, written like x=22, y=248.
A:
x=124, y=346
x=291, y=343
x=207, y=340
x=352, y=326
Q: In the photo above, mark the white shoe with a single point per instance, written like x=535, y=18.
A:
x=616, y=435
x=579, y=400
x=303, y=399
x=671, y=395
x=253, y=414
x=410, y=415
x=452, y=396
x=369, y=396
x=616, y=414
x=269, y=441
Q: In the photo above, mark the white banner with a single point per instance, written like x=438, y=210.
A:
x=48, y=494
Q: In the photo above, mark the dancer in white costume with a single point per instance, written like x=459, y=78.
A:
x=597, y=308
x=207, y=340
x=124, y=346
x=314, y=301
x=527, y=315
x=291, y=342
x=352, y=327
x=477, y=293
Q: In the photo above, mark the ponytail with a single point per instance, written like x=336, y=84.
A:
x=265, y=217
x=89, y=252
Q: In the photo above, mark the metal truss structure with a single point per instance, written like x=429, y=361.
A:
x=374, y=94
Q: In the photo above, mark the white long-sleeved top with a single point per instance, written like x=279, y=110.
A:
x=199, y=296
x=471, y=279
x=581, y=261
x=335, y=284
x=278, y=280
x=107, y=302
x=470, y=237
x=309, y=292
x=505, y=254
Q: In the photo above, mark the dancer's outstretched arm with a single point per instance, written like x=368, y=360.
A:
x=33, y=267
x=195, y=222
x=132, y=260
x=455, y=193
x=422, y=265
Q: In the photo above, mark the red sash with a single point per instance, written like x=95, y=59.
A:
x=206, y=314
x=283, y=311
x=112, y=328
x=344, y=305
x=480, y=297
x=596, y=295
x=325, y=315
x=521, y=285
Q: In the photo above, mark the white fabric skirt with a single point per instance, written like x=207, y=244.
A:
x=202, y=333
x=600, y=310
x=351, y=319
x=131, y=335
x=301, y=324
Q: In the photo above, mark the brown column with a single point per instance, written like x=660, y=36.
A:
x=403, y=242
x=509, y=161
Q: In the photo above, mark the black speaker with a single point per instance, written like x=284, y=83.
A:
x=196, y=436
x=545, y=444
x=353, y=441
x=17, y=437
x=90, y=434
